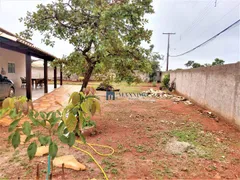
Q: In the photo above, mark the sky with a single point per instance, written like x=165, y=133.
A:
x=193, y=21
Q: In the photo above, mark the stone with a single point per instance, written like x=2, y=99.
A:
x=69, y=161
x=42, y=150
x=176, y=147
x=22, y=139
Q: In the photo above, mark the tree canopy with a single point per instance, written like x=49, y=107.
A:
x=218, y=61
x=106, y=34
x=193, y=64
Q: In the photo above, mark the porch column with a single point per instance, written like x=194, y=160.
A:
x=28, y=77
x=45, y=76
x=61, y=75
x=55, y=77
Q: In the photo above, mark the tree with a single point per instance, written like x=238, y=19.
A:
x=193, y=64
x=106, y=35
x=189, y=63
x=196, y=65
x=154, y=66
x=218, y=62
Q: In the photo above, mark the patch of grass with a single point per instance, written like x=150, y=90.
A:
x=140, y=148
x=15, y=157
x=90, y=160
x=142, y=157
x=108, y=164
x=205, y=142
x=186, y=135
x=120, y=146
x=161, y=174
x=27, y=172
x=114, y=171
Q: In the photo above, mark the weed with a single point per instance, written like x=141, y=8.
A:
x=24, y=164
x=108, y=164
x=44, y=171
x=212, y=168
x=154, y=84
x=120, y=146
x=90, y=160
x=139, y=148
x=142, y=157
x=27, y=172
x=114, y=171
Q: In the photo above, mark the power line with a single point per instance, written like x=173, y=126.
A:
x=220, y=19
x=235, y=23
x=196, y=21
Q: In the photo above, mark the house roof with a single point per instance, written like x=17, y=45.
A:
x=10, y=41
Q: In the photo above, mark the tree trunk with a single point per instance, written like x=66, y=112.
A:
x=87, y=76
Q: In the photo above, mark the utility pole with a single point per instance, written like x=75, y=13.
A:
x=169, y=34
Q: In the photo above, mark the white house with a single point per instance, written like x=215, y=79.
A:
x=15, y=61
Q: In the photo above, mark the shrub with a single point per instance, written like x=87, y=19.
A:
x=166, y=80
x=154, y=84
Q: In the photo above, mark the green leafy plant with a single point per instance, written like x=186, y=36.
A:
x=64, y=125
x=166, y=80
x=106, y=35
x=154, y=84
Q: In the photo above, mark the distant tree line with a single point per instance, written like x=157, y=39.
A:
x=193, y=64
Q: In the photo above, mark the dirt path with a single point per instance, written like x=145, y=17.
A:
x=144, y=134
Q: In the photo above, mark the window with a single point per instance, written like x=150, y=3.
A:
x=11, y=68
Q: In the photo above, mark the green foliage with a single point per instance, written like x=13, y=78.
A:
x=218, y=61
x=196, y=65
x=193, y=64
x=166, y=80
x=189, y=63
x=31, y=150
x=53, y=149
x=154, y=84
x=154, y=66
x=75, y=116
x=105, y=35
x=81, y=106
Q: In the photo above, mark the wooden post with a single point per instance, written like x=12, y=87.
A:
x=28, y=77
x=63, y=175
x=55, y=77
x=45, y=76
x=61, y=75
x=38, y=174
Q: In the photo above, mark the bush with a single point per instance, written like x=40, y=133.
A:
x=154, y=84
x=166, y=80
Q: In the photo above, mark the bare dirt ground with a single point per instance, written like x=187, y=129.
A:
x=141, y=132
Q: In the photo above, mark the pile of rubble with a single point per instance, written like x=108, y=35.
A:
x=166, y=95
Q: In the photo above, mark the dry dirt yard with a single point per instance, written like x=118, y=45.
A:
x=152, y=138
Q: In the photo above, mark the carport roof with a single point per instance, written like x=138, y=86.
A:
x=10, y=41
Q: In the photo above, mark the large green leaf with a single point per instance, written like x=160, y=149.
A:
x=26, y=128
x=71, y=140
x=8, y=103
x=63, y=139
x=75, y=98
x=16, y=139
x=32, y=149
x=13, y=113
x=71, y=122
x=10, y=137
x=13, y=125
x=53, y=149
x=43, y=115
x=60, y=128
x=85, y=106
